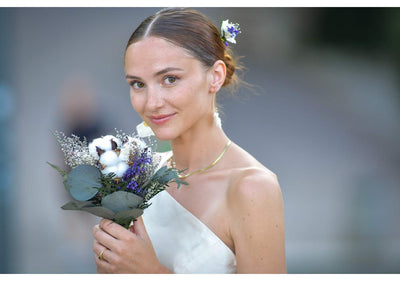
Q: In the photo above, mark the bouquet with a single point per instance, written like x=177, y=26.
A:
x=113, y=177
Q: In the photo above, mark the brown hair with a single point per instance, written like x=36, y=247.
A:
x=192, y=31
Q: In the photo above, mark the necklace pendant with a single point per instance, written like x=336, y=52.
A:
x=183, y=176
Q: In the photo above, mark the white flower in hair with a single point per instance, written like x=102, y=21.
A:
x=229, y=31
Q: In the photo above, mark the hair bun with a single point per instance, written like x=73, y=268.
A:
x=230, y=70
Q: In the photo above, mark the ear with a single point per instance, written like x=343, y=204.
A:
x=218, y=74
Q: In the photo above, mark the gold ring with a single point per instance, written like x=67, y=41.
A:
x=101, y=254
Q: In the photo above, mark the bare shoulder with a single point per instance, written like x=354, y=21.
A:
x=256, y=218
x=251, y=180
x=255, y=186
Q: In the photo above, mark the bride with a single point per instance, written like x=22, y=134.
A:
x=229, y=218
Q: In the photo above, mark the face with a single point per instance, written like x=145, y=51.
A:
x=171, y=90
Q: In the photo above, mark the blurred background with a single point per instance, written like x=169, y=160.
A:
x=323, y=114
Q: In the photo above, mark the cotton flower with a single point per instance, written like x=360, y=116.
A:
x=121, y=169
x=125, y=152
x=112, y=138
x=108, y=170
x=93, y=148
x=105, y=143
x=109, y=158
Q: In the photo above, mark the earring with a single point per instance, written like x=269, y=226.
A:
x=217, y=119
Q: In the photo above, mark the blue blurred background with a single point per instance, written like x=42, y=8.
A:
x=323, y=115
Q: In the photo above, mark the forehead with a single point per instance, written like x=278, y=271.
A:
x=155, y=53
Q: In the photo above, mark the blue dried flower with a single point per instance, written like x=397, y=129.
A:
x=229, y=31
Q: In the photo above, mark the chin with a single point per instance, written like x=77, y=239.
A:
x=165, y=135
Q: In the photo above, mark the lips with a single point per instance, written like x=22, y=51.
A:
x=161, y=119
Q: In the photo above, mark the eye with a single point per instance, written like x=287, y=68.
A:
x=169, y=80
x=137, y=84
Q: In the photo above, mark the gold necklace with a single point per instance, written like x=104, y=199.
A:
x=205, y=168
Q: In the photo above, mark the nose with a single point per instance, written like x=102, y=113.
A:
x=155, y=99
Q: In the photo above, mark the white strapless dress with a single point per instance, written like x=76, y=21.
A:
x=182, y=242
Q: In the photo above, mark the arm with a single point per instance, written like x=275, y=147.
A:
x=125, y=251
x=257, y=223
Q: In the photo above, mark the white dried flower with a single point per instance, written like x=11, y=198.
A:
x=109, y=158
x=125, y=152
x=137, y=142
x=229, y=31
x=121, y=169
x=103, y=143
x=144, y=130
x=116, y=140
x=108, y=170
x=93, y=148
x=75, y=151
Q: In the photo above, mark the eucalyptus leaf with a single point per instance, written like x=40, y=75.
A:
x=129, y=214
x=100, y=212
x=121, y=201
x=76, y=205
x=83, y=182
x=159, y=172
x=90, y=208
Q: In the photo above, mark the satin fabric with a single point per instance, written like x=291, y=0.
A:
x=182, y=242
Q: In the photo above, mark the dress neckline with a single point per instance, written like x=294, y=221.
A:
x=200, y=222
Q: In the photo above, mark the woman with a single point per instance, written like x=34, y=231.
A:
x=230, y=216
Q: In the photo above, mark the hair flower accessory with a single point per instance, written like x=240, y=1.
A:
x=229, y=31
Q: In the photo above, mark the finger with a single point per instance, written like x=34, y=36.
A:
x=113, y=229
x=140, y=228
x=104, y=239
x=98, y=248
x=102, y=265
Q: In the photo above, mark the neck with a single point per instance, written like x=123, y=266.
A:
x=198, y=147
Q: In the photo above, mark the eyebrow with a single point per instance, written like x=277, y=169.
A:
x=165, y=70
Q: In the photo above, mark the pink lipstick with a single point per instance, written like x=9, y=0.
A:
x=161, y=119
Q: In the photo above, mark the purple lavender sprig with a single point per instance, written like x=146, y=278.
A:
x=137, y=173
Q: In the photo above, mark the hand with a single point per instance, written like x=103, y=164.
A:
x=125, y=251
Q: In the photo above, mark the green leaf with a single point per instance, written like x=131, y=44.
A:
x=76, y=205
x=100, y=212
x=90, y=208
x=121, y=201
x=129, y=214
x=62, y=173
x=83, y=182
x=65, y=182
x=159, y=173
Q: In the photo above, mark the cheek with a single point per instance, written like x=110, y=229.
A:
x=137, y=103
